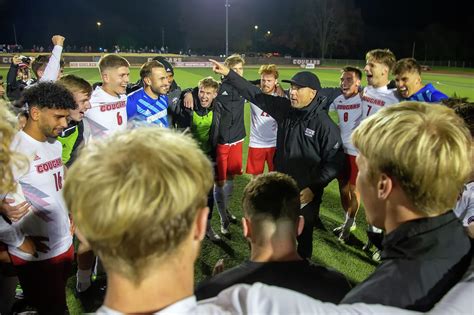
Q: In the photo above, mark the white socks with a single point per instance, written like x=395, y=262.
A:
x=221, y=202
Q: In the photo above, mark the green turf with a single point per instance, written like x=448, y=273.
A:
x=349, y=259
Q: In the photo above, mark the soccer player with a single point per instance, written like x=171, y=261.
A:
x=149, y=234
x=407, y=74
x=50, y=68
x=309, y=145
x=349, y=111
x=43, y=278
x=174, y=91
x=149, y=104
x=230, y=141
x=203, y=121
x=412, y=166
x=108, y=111
x=72, y=136
x=377, y=95
x=271, y=224
x=263, y=128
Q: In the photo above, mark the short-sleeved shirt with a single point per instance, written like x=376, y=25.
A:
x=142, y=109
x=349, y=112
x=41, y=185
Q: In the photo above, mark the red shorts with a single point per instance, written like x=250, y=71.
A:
x=229, y=160
x=256, y=160
x=44, y=282
x=350, y=170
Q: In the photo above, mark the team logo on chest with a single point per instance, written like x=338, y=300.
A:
x=309, y=132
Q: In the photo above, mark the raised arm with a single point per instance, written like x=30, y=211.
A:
x=51, y=72
x=275, y=106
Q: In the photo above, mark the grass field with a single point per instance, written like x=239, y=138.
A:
x=347, y=258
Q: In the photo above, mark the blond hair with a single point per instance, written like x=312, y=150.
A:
x=209, y=82
x=233, y=60
x=135, y=195
x=8, y=158
x=424, y=147
x=383, y=56
x=269, y=69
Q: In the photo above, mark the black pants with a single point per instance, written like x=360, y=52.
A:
x=310, y=214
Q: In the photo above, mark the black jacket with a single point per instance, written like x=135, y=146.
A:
x=14, y=87
x=309, y=145
x=183, y=117
x=232, y=127
x=421, y=260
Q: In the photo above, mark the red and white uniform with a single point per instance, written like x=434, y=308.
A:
x=349, y=112
x=373, y=99
x=263, y=129
x=107, y=114
x=41, y=185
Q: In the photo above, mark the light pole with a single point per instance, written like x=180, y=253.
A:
x=99, y=24
x=227, y=27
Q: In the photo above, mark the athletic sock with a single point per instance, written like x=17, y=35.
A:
x=83, y=279
x=219, y=197
x=228, y=190
x=349, y=222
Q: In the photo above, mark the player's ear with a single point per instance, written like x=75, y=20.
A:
x=201, y=223
x=34, y=113
x=246, y=228
x=147, y=80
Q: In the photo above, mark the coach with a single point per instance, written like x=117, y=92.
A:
x=308, y=141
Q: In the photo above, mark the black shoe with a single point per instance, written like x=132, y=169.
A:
x=232, y=218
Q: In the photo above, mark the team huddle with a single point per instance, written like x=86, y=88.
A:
x=133, y=171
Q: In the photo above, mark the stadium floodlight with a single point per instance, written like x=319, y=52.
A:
x=227, y=27
x=256, y=27
x=98, y=24
x=269, y=33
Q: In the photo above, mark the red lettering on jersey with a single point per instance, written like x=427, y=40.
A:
x=49, y=165
x=348, y=107
x=264, y=114
x=112, y=106
x=373, y=100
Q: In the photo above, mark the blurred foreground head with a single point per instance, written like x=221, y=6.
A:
x=135, y=198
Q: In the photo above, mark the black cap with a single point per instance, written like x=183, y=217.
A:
x=305, y=79
x=164, y=62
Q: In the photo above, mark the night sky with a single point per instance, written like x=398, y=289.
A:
x=139, y=23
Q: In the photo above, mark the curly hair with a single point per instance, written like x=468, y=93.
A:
x=48, y=95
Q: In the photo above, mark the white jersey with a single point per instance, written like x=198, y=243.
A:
x=464, y=209
x=349, y=112
x=263, y=129
x=373, y=99
x=41, y=185
x=107, y=114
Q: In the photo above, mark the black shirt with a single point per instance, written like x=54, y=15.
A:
x=421, y=260
x=302, y=276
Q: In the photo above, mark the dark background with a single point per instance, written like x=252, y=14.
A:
x=310, y=28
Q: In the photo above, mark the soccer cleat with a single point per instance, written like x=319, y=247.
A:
x=376, y=256
x=225, y=228
x=232, y=218
x=340, y=228
x=211, y=235
x=19, y=292
x=367, y=246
